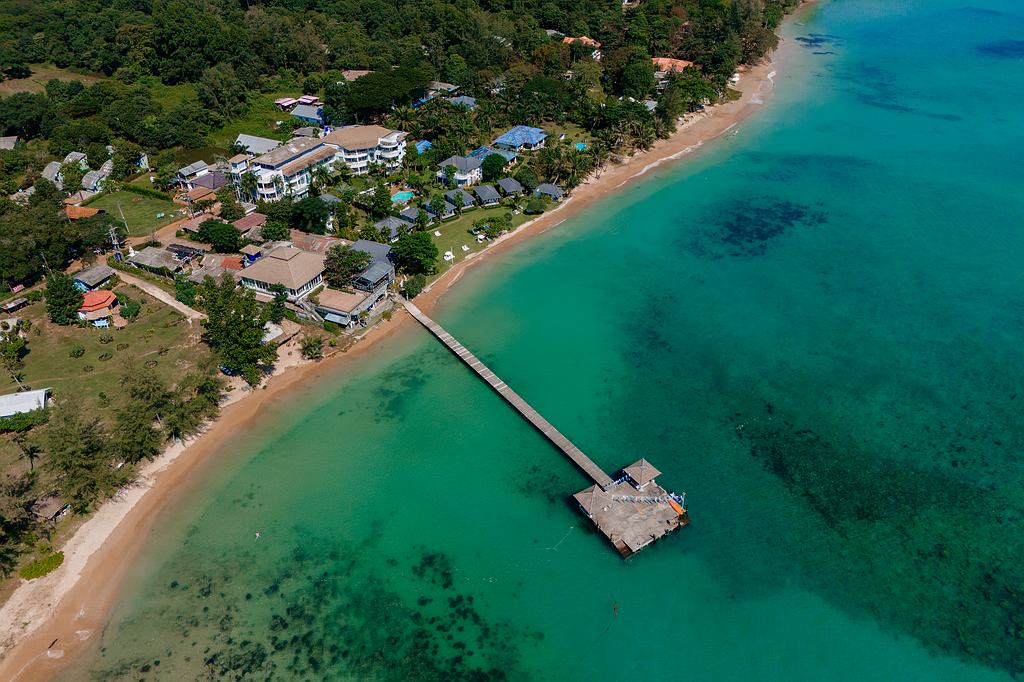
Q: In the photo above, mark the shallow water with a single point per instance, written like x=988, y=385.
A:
x=813, y=330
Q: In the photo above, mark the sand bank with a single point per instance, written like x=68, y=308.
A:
x=48, y=621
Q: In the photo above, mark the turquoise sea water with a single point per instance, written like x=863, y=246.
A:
x=813, y=329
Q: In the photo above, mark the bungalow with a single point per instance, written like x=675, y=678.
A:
x=8, y=143
x=187, y=175
x=251, y=253
x=50, y=507
x=213, y=180
x=155, y=259
x=93, y=277
x=93, y=180
x=393, y=227
x=586, y=41
x=641, y=473
x=447, y=212
x=256, y=145
x=311, y=100
x=467, y=170
x=25, y=401
x=463, y=101
x=423, y=146
x=546, y=189
x=308, y=113
x=510, y=186
x=76, y=157
x=487, y=194
x=51, y=172
x=286, y=103
x=465, y=199
x=411, y=213
x=246, y=225
x=300, y=272
x=522, y=137
x=100, y=308
x=360, y=146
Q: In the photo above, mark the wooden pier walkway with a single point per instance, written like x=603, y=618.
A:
x=561, y=442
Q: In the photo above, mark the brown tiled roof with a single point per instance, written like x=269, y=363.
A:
x=669, y=64
x=307, y=160
x=250, y=221
x=358, y=137
x=286, y=265
x=341, y=301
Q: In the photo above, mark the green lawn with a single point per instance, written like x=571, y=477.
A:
x=139, y=212
x=158, y=335
x=41, y=74
x=455, y=233
x=261, y=120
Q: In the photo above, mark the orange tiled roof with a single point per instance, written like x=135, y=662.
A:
x=669, y=64
x=231, y=263
x=77, y=212
x=97, y=300
x=586, y=40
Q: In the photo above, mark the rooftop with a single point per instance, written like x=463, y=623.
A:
x=250, y=221
x=642, y=472
x=377, y=250
x=26, y=401
x=487, y=193
x=510, y=185
x=629, y=519
x=97, y=300
x=521, y=135
x=669, y=64
x=95, y=275
x=360, y=137
x=307, y=111
x=287, y=151
x=464, y=164
x=257, y=145
x=155, y=257
x=341, y=301
x=192, y=168
x=286, y=265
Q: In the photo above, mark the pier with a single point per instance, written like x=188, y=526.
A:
x=631, y=510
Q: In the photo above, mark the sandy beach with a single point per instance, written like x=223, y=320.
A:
x=48, y=621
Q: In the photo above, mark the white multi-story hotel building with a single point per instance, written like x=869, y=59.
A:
x=360, y=146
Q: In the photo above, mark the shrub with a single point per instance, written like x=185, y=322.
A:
x=18, y=423
x=130, y=308
x=88, y=368
x=106, y=338
x=313, y=348
x=34, y=296
x=105, y=356
x=40, y=567
x=122, y=346
x=150, y=364
x=77, y=351
x=414, y=285
x=332, y=328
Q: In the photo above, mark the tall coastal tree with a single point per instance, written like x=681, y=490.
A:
x=234, y=328
x=62, y=298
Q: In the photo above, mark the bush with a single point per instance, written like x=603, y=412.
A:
x=106, y=338
x=18, y=423
x=88, y=368
x=105, y=356
x=40, y=567
x=130, y=308
x=77, y=351
x=332, y=327
x=313, y=348
x=145, y=192
x=34, y=296
x=414, y=285
x=122, y=346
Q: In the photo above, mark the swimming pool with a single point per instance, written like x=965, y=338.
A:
x=581, y=146
x=401, y=197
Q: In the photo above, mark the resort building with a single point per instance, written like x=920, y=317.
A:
x=393, y=227
x=522, y=138
x=309, y=113
x=300, y=272
x=100, y=308
x=358, y=147
x=467, y=170
x=464, y=200
x=287, y=170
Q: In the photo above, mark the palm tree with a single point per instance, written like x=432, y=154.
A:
x=321, y=178
x=247, y=183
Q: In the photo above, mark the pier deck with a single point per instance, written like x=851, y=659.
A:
x=543, y=425
x=632, y=511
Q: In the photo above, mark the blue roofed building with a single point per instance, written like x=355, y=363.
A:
x=485, y=151
x=423, y=146
x=522, y=137
x=307, y=113
x=462, y=101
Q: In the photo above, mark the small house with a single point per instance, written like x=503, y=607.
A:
x=344, y=307
x=93, y=180
x=256, y=145
x=423, y=146
x=187, y=175
x=156, y=260
x=93, y=277
x=247, y=224
x=76, y=157
x=51, y=172
x=447, y=212
x=377, y=276
x=49, y=507
x=456, y=196
x=308, y=113
x=100, y=308
x=15, y=305
x=300, y=272
x=462, y=101
x=546, y=189
x=25, y=401
x=487, y=194
x=286, y=103
x=510, y=187
x=522, y=138
x=411, y=213
x=251, y=253
x=393, y=227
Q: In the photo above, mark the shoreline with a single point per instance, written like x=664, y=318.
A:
x=50, y=621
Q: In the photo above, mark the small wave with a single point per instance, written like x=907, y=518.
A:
x=665, y=159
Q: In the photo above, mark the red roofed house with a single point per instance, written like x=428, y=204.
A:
x=668, y=64
x=100, y=308
x=585, y=40
x=250, y=222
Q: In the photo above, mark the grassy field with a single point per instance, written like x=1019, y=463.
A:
x=260, y=120
x=457, y=232
x=140, y=212
x=41, y=74
x=158, y=335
